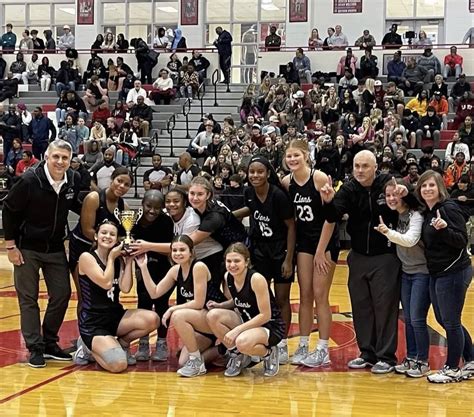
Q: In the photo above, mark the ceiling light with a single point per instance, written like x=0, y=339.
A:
x=269, y=7
x=168, y=9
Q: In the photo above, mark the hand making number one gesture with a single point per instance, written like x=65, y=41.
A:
x=437, y=222
x=382, y=227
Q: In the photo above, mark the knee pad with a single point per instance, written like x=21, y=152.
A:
x=114, y=355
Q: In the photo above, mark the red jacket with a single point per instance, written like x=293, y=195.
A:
x=22, y=166
x=453, y=60
x=440, y=106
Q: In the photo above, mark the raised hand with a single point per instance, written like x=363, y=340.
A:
x=437, y=222
x=400, y=189
x=382, y=227
x=141, y=260
x=327, y=191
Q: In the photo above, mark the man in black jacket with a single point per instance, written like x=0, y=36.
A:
x=10, y=128
x=3, y=66
x=374, y=283
x=224, y=47
x=200, y=64
x=34, y=219
x=145, y=113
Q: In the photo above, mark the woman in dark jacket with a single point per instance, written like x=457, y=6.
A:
x=445, y=238
x=144, y=61
x=50, y=46
x=97, y=45
x=122, y=43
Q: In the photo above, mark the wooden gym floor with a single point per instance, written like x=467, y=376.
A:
x=154, y=388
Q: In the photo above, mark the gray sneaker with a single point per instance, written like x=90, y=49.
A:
x=161, y=351
x=271, y=363
x=82, y=356
x=143, y=352
x=319, y=357
x=300, y=353
x=418, y=370
x=283, y=354
x=237, y=362
x=130, y=358
x=406, y=365
x=445, y=376
x=468, y=370
x=193, y=367
x=359, y=363
x=382, y=367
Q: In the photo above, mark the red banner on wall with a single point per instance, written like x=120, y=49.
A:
x=471, y=6
x=85, y=12
x=348, y=6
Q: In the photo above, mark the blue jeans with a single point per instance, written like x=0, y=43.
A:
x=415, y=296
x=448, y=293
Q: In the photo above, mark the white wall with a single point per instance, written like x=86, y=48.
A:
x=86, y=34
x=457, y=20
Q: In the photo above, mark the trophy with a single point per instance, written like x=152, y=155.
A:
x=128, y=218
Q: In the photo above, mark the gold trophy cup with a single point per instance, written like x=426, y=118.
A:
x=128, y=219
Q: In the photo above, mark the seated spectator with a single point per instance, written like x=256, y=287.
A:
x=273, y=40
x=95, y=94
x=174, y=65
x=127, y=145
x=209, y=116
x=365, y=134
x=430, y=63
x=291, y=76
x=178, y=43
x=419, y=104
x=314, y=41
x=454, y=147
x=368, y=96
x=273, y=124
x=350, y=126
x=413, y=77
x=338, y=40
x=348, y=81
x=136, y=91
x=280, y=106
x=70, y=102
x=200, y=64
x=112, y=131
x=67, y=40
x=368, y=65
x=439, y=85
x=15, y=155
x=465, y=109
x=68, y=132
x=38, y=43
x=45, y=74
x=122, y=44
x=101, y=113
x=392, y=39
x=101, y=172
x=430, y=126
x=413, y=174
x=301, y=105
x=85, y=181
x=26, y=44
x=63, y=82
x=127, y=85
x=198, y=146
x=123, y=70
x=454, y=171
x=466, y=131
x=330, y=32
x=463, y=194
x=27, y=161
x=423, y=41
x=109, y=44
x=163, y=90
x=8, y=40
x=453, y=64
x=410, y=122
x=95, y=67
x=302, y=65
x=144, y=113
x=92, y=154
x=158, y=177
x=396, y=95
x=18, y=69
x=31, y=72
x=330, y=106
x=457, y=92
x=189, y=84
x=161, y=41
x=8, y=87
x=256, y=136
x=50, y=44
x=249, y=109
x=440, y=104
x=365, y=41
x=395, y=68
x=112, y=75
x=347, y=61
x=188, y=170
x=97, y=133
x=82, y=131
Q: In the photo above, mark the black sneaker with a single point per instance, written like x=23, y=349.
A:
x=55, y=352
x=36, y=359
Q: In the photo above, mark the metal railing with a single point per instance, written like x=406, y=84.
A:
x=170, y=125
x=215, y=80
x=200, y=94
x=186, y=110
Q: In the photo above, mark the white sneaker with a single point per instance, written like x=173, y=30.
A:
x=271, y=363
x=319, y=357
x=300, y=353
x=193, y=367
x=445, y=376
x=468, y=370
x=283, y=354
x=237, y=362
x=82, y=356
x=382, y=367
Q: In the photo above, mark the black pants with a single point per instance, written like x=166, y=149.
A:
x=374, y=288
x=224, y=64
x=146, y=68
x=39, y=148
x=56, y=276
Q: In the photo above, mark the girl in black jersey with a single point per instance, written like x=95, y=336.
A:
x=257, y=328
x=272, y=235
x=154, y=226
x=194, y=288
x=97, y=207
x=317, y=252
x=106, y=328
